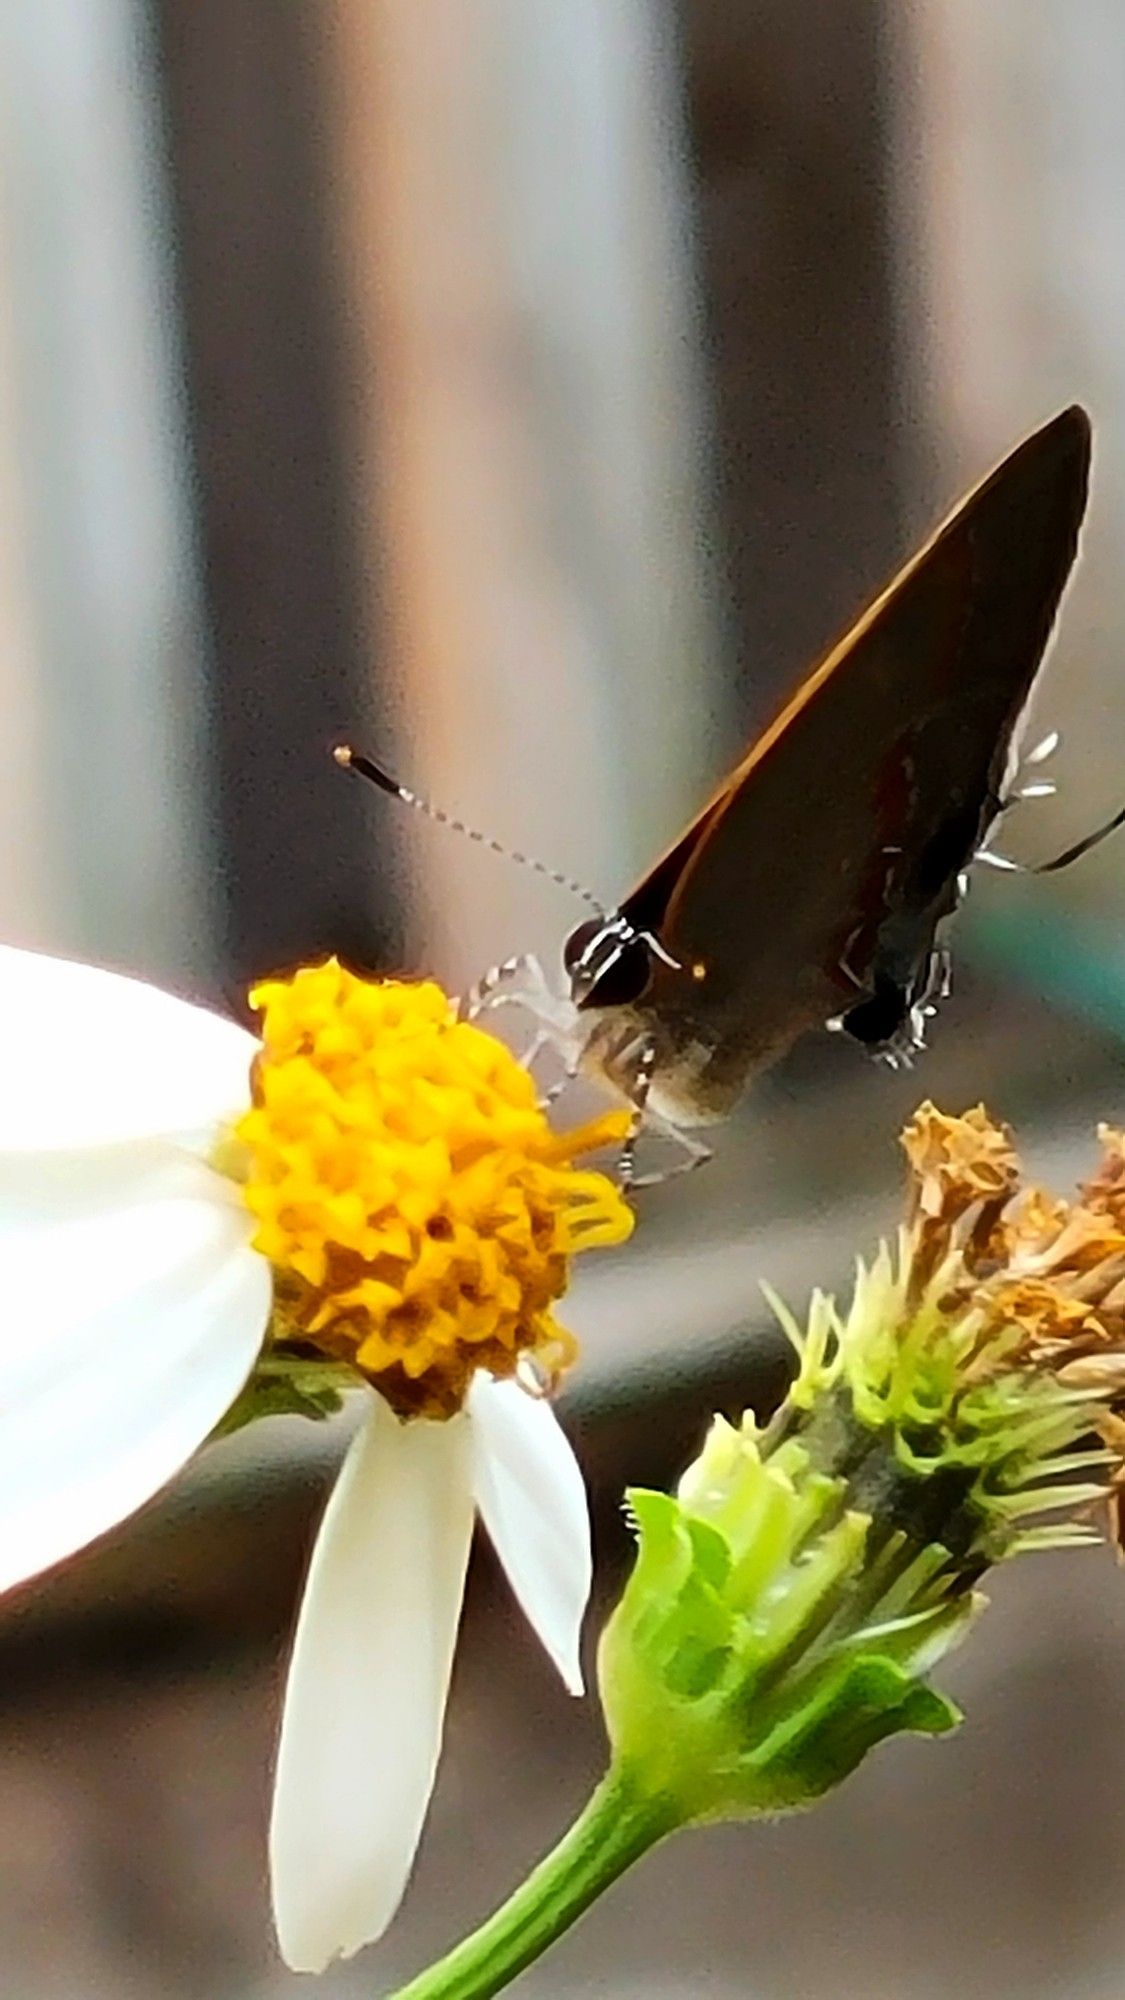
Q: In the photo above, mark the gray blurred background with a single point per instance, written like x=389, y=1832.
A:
x=530, y=393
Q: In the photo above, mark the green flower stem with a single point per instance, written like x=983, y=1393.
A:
x=614, y=1829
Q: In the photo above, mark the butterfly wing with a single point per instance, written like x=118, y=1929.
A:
x=856, y=810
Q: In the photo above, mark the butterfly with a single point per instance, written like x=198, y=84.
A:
x=815, y=886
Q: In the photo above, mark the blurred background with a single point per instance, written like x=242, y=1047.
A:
x=530, y=394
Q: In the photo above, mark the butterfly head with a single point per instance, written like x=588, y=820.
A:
x=608, y=962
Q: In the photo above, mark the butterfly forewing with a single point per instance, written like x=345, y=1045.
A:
x=846, y=827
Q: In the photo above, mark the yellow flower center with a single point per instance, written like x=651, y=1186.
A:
x=417, y=1209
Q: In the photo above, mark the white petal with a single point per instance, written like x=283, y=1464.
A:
x=368, y=1679
x=533, y=1500
x=92, y=1058
x=127, y=1333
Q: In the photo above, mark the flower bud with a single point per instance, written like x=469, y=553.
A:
x=790, y=1601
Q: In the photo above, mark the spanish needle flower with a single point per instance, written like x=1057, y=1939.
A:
x=201, y=1228
x=791, y=1599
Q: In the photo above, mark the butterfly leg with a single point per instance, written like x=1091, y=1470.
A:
x=543, y=1039
x=694, y=1151
x=523, y=973
x=521, y=982
x=644, y=1063
x=939, y=981
x=1019, y=782
x=934, y=988
x=562, y=1082
x=540, y=1040
x=647, y=1119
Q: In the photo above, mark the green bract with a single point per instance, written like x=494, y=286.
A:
x=790, y=1601
x=736, y=1676
x=915, y=1396
x=288, y=1385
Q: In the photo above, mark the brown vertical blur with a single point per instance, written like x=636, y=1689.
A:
x=269, y=387
x=518, y=241
x=793, y=187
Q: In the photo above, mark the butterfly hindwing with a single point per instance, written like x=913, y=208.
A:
x=816, y=876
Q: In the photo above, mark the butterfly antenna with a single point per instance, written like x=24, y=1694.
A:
x=366, y=767
x=1081, y=847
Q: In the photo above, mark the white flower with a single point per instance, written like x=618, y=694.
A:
x=363, y=1711
x=136, y=1306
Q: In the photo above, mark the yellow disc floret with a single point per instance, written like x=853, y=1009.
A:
x=417, y=1208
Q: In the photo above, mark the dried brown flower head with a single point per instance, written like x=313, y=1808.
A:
x=1043, y=1278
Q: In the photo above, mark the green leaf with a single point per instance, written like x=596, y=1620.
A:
x=285, y=1388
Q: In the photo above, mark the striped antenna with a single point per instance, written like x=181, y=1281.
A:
x=366, y=767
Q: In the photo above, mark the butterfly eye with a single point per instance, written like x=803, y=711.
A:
x=577, y=951
x=607, y=965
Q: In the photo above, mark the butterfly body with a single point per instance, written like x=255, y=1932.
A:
x=814, y=887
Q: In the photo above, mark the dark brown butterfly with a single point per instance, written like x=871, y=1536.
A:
x=814, y=885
